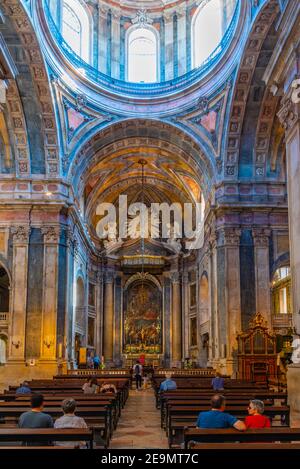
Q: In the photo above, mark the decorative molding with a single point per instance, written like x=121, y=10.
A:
x=259, y=32
x=51, y=234
x=261, y=237
x=175, y=277
x=20, y=234
x=31, y=49
x=289, y=112
x=229, y=236
x=142, y=19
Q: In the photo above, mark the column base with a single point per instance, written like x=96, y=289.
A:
x=293, y=386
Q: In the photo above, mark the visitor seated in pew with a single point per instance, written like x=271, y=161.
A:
x=108, y=387
x=91, y=386
x=36, y=418
x=70, y=420
x=217, y=418
x=218, y=382
x=23, y=389
x=168, y=384
x=256, y=419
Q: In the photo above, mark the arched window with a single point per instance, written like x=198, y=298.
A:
x=76, y=28
x=142, y=56
x=207, y=31
x=281, y=290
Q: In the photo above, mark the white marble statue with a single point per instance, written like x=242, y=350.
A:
x=296, y=350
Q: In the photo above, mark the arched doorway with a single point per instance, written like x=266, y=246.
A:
x=3, y=349
x=4, y=290
x=80, y=316
x=4, y=312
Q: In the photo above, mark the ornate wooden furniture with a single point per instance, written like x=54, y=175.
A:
x=257, y=358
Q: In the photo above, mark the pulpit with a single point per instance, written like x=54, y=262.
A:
x=257, y=358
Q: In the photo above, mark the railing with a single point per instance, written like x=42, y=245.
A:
x=187, y=372
x=4, y=318
x=282, y=320
x=146, y=89
x=98, y=372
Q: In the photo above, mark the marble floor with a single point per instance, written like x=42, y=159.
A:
x=139, y=425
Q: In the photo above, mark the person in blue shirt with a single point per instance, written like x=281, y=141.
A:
x=97, y=362
x=217, y=418
x=218, y=382
x=24, y=388
x=168, y=384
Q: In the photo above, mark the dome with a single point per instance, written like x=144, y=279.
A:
x=143, y=42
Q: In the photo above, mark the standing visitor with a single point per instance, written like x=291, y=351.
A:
x=96, y=362
x=138, y=371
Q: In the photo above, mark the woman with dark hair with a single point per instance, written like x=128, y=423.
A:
x=91, y=386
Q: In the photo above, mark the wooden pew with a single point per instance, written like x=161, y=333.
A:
x=245, y=447
x=180, y=417
x=264, y=435
x=98, y=417
x=45, y=435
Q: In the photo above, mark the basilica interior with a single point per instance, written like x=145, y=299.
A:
x=187, y=104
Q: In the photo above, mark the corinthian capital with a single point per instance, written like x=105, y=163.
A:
x=175, y=277
x=289, y=111
x=229, y=236
x=20, y=234
x=261, y=237
x=51, y=234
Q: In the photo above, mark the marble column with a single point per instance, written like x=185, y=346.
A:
x=118, y=322
x=289, y=116
x=262, y=272
x=99, y=313
x=108, y=318
x=16, y=349
x=229, y=301
x=169, y=47
x=293, y=386
x=69, y=325
x=185, y=314
x=212, y=283
x=115, y=44
x=167, y=320
x=181, y=37
x=176, y=321
x=50, y=289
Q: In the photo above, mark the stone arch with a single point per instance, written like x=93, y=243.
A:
x=163, y=133
x=260, y=29
x=137, y=277
x=29, y=98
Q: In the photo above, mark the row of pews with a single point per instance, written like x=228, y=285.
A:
x=179, y=410
x=101, y=412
